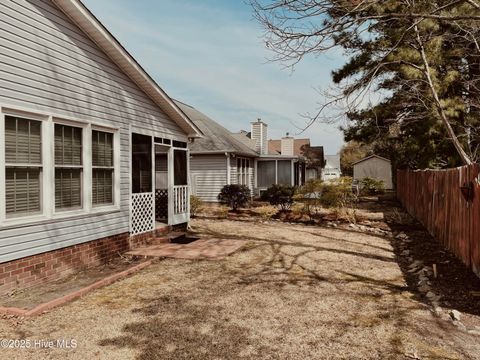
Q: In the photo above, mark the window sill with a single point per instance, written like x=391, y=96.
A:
x=68, y=215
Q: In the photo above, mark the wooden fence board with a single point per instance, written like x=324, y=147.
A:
x=434, y=198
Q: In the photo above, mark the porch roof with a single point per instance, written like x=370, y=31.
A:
x=216, y=138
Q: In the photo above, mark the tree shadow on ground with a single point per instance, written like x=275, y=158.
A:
x=175, y=328
x=181, y=325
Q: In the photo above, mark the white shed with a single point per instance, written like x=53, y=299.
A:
x=375, y=167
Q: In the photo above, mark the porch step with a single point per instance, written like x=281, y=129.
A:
x=170, y=237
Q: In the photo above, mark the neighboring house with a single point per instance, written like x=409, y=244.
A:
x=312, y=155
x=332, y=170
x=219, y=158
x=375, y=167
x=222, y=157
x=80, y=122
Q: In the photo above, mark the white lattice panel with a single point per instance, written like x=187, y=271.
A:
x=143, y=213
x=180, y=196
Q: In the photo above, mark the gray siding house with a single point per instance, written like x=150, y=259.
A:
x=375, y=167
x=80, y=124
x=221, y=157
x=218, y=158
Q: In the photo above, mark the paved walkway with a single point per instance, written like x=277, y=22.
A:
x=199, y=249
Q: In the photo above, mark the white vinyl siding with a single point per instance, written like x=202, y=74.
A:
x=23, y=166
x=208, y=175
x=51, y=68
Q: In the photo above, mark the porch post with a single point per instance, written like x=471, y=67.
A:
x=130, y=178
x=292, y=177
x=229, y=171
x=189, y=191
x=171, y=183
x=276, y=172
x=154, y=178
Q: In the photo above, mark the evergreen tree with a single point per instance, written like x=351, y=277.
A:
x=421, y=57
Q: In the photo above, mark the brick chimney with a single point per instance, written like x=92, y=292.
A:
x=287, y=145
x=259, y=134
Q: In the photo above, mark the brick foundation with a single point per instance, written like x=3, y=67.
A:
x=53, y=265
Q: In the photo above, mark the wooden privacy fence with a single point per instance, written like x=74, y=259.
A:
x=435, y=199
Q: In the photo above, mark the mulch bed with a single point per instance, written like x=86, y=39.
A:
x=458, y=286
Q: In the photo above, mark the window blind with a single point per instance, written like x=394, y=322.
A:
x=103, y=170
x=68, y=167
x=23, y=165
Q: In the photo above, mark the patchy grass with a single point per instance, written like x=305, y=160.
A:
x=292, y=292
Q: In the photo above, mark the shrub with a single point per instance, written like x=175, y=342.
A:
x=280, y=195
x=339, y=196
x=234, y=196
x=371, y=186
x=195, y=205
x=310, y=195
x=337, y=193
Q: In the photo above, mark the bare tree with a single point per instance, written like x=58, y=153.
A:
x=297, y=28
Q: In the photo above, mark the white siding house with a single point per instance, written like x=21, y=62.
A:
x=332, y=169
x=76, y=111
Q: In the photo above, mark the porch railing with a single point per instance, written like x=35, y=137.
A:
x=142, y=214
x=180, y=199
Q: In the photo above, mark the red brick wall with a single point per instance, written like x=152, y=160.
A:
x=53, y=265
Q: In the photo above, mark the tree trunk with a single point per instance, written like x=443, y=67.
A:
x=461, y=152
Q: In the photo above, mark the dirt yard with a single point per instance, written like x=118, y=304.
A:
x=292, y=292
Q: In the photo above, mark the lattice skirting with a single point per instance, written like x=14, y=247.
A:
x=161, y=204
x=142, y=213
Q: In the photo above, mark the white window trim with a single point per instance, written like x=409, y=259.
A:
x=83, y=208
x=3, y=212
x=48, y=166
x=3, y=180
x=115, y=168
x=245, y=172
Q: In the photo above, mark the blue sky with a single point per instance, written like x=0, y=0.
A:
x=210, y=55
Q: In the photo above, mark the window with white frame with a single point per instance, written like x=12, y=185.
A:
x=243, y=171
x=23, y=166
x=68, y=167
x=102, y=168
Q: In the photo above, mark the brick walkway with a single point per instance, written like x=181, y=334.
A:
x=199, y=249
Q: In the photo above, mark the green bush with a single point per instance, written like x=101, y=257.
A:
x=280, y=195
x=234, y=196
x=337, y=193
x=371, y=186
x=195, y=205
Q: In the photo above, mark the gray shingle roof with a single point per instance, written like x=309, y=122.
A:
x=216, y=138
x=245, y=139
